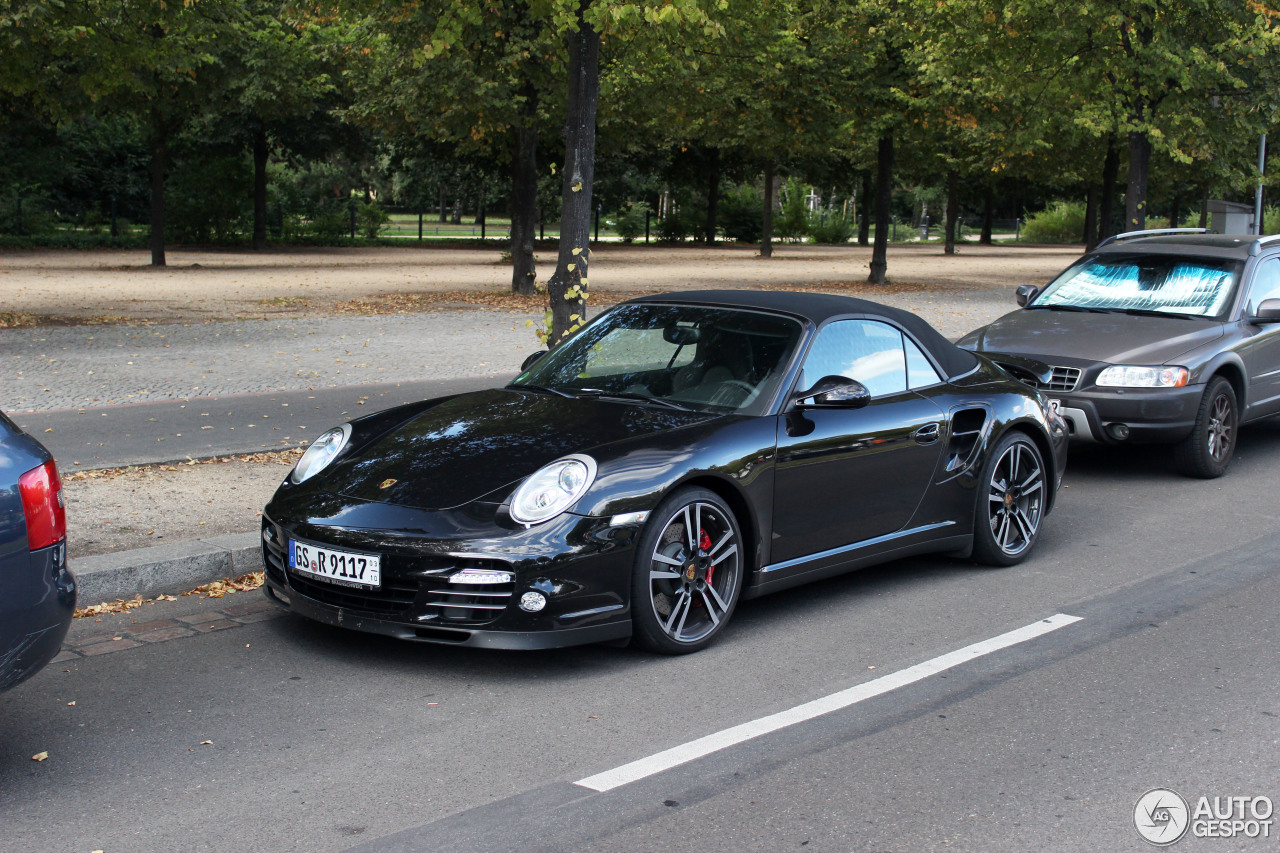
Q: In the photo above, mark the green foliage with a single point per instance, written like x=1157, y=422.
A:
x=741, y=214
x=370, y=217
x=330, y=222
x=209, y=199
x=831, y=228
x=1060, y=222
x=792, y=222
x=28, y=215
x=630, y=220
x=680, y=224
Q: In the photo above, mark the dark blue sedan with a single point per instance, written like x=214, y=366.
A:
x=37, y=591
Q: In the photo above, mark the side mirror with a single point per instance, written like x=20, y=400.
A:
x=1025, y=293
x=835, y=392
x=532, y=359
x=1268, y=311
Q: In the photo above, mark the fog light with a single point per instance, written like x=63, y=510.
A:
x=1118, y=431
x=532, y=602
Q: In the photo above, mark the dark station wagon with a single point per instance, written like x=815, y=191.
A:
x=1168, y=336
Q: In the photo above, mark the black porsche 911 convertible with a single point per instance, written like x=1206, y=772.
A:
x=679, y=453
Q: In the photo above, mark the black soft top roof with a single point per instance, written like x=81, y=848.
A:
x=820, y=307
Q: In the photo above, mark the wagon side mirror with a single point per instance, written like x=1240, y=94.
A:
x=834, y=392
x=1268, y=311
x=532, y=359
x=1025, y=293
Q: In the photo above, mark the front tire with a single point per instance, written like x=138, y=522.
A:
x=1207, y=452
x=688, y=574
x=1011, y=502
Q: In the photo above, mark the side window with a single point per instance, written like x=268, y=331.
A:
x=920, y=372
x=1266, y=284
x=864, y=350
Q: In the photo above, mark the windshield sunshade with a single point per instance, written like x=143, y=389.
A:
x=1173, y=285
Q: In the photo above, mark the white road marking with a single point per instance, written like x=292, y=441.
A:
x=726, y=738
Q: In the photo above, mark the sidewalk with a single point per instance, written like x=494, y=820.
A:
x=178, y=526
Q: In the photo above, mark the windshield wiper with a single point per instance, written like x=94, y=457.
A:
x=1071, y=308
x=632, y=395
x=543, y=388
x=1151, y=312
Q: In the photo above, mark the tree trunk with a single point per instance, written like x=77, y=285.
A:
x=988, y=213
x=713, y=195
x=884, y=209
x=864, y=208
x=1090, y=236
x=568, y=308
x=444, y=204
x=1135, y=197
x=159, y=165
x=524, y=195
x=1107, y=208
x=260, y=151
x=1204, y=207
x=1175, y=212
x=766, y=229
x=953, y=211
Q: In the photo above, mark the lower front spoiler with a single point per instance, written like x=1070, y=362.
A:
x=473, y=638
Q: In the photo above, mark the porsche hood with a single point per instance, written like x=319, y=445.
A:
x=471, y=446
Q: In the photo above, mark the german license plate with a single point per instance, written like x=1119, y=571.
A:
x=344, y=568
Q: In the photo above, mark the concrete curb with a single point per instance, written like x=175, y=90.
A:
x=163, y=569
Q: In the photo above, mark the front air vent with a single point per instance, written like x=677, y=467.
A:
x=966, y=429
x=471, y=603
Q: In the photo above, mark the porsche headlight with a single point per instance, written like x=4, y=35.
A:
x=1133, y=376
x=552, y=489
x=321, y=452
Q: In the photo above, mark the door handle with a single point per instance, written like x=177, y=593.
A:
x=927, y=434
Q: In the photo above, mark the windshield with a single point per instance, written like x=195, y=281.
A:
x=700, y=358
x=1167, y=284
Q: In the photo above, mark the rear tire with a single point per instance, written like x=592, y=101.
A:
x=1207, y=452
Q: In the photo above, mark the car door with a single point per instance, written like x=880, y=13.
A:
x=1261, y=347
x=844, y=476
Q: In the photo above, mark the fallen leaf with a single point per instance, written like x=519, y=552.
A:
x=40, y=756
x=206, y=743
x=70, y=703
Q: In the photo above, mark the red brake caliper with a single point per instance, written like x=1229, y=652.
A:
x=704, y=545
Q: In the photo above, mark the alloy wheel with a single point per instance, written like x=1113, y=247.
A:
x=1016, y=498
x=694, y=572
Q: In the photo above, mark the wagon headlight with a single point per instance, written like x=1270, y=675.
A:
x=321, y=452
x=1133, y=376
x=552, y=489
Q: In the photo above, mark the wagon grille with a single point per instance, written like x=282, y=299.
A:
x=1063, y=379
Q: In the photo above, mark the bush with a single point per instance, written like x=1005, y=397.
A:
x=741, y=214
x=209, y=199
x=331, y=221
x=792, y=222
x=631, y=220
x=676, y=226
x=370, y=217
x=1060, y=222
x=833, y=228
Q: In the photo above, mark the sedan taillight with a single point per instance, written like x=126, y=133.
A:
x=42, y=503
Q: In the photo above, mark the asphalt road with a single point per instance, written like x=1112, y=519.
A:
x=200, y=427
x=234, y=729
